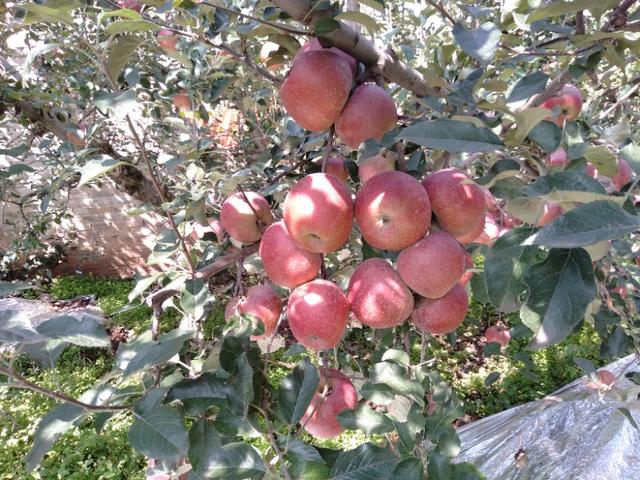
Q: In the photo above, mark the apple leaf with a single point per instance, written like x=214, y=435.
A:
x=365, y=419
x=585, y=225
x=527, y=87
x=130, y=26
x=296, y=391
x=631, y=153
x=603, y=159
x=159, y=433
x=560, y=289
x=409, y=469
x=361, y=18
x=306, y=462
x=503, y=269
x=119, y=53
x=97, y=166
x=452, y=136
x=79, y=329
x=206, y=386
x=480, y=43
x=547, y=135
x=16, y=327
x=241, y=386
x=365, y=462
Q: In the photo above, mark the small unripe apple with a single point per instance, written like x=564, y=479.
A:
x=557, y=159
x=335, y=394
x=550, y=212
x=335, y=165
x=624, y=175
x=442, y=315
x=167, y=39
x=287, y=264
x=392, y=210
x=495, y=334
x=369, y=113
x=182, y=101
x=318, y=213
x=314, y=45
x=239, y=220
x=569, y=103
x=130, y=4
x=318, y=314
x=377, y=296
x=457, y=202
x=316, y=89
x=606, y=380
x=433, y=265
x=385, y=161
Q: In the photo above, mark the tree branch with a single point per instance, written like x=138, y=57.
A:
x=358, y=46
x=24, y=383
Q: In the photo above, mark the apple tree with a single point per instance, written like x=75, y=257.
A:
x=342, y=179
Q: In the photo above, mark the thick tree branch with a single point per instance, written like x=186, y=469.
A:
x=347, y=39
x=24, y=383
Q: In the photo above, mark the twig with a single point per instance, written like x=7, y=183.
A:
x=622, y=99
x=438, y=6
x=580, y=27
x=284, y=173
x=23, y=382
x=618, y=17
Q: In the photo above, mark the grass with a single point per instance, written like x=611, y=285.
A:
x=84, y=454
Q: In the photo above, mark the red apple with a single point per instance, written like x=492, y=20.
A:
x=130, y=4
x=495, y=334
x=606, y=380
x=550, y=212
x=318, y=313
x=624, y=175
x=335, y=394
x=569, y=103
x=182, y=101
x=314, y=45
x=167, y=39
x=287, y=264
x=385, y=161
x=490, y=232
x=238, y=217
x=316, y=89
x=433, y=265
x=263, y=303
x=557, y=159
x=377, y=296
x=335, y=165
x=318, y=212
x=442, y=315
x=590, y=170
x=233, y=308
x=76, y=137
x=369, y=113
x=392, y=211
x=457, y=202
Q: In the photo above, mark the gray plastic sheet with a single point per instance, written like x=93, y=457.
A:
x=576, y=433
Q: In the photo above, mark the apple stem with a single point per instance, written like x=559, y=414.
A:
x=261, y=225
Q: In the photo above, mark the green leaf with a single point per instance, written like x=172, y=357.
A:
x=96, y=167
x=585, y=225
x=123, y=12
x=375, y=4
x=83, y=330
x=631, y=153
x=16, y=326
x=205, y=386
x=203, y=440
x=59, y=420
x=15, y=169
x=452, y=136
x=557, y=8
x=142, y=284
x=325, y=25
x=527, y=87
x=159, y=433
x=195, y=297
x=547, y=135
x=241, y=386
x=480, y=43
x=9, y=288
x=143, y=352
x=364, y=463
x=52, y=12
x=526, y=121
x=306, y=462
x=119, y=53
x=560, y=289
x=625, y=411
x=130, y=26
x=603, y=159
x=365, y=419
x=377, y=393
x=409, y=469
x=361, y=18
x=118, y=105
x=394, y=377
x=296, y=391
x=504, y=266
x=397, y=356
x=16, y=152
x=46, y=353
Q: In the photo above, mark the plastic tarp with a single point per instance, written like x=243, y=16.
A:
x=576, y=433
